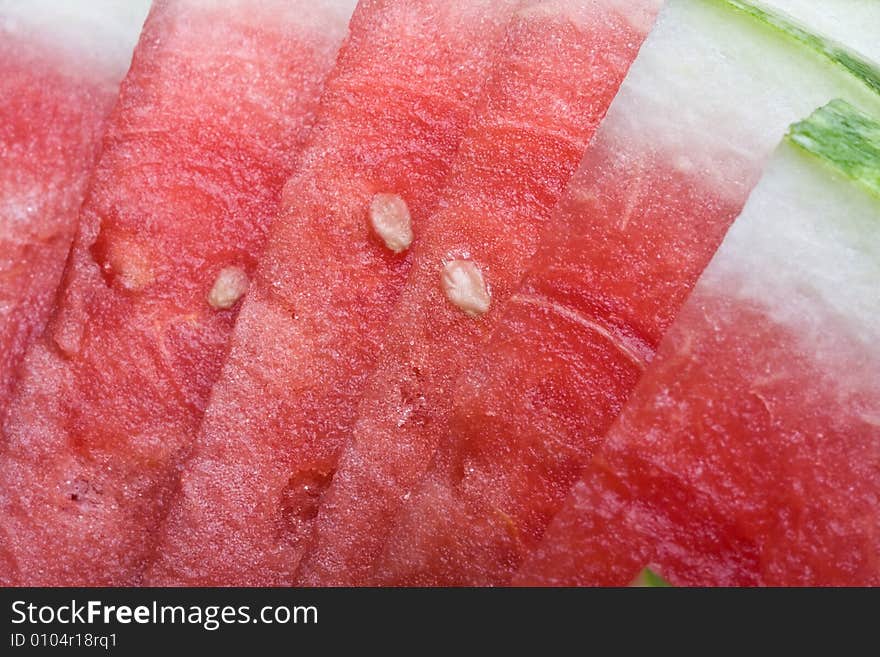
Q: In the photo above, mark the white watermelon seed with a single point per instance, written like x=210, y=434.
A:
x=464, y=286
x=229, y=286
x=391, y=220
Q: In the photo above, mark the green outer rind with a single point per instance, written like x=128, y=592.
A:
x=839, y=55
x=845, y=138
x=649, y=579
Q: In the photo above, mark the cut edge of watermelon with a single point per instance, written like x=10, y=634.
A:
x=649, y=579
x=844, y=138
x=835, y=52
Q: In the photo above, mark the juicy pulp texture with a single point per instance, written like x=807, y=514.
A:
x=59, y=76
x=562, y=64
x=206, y=131
x=711, y=92
x=391, y=120
x=749, y=454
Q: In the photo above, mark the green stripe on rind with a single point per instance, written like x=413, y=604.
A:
x=856, y=65
x=649, y=579
x=845, y=138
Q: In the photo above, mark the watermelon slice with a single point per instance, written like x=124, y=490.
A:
x=714, y=87
x=392, y=118
x=206, y=131
x=750, y=451
x=59, y=76
x=541, y=112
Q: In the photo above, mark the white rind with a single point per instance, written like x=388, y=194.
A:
x=854, y=23
x=99, y=33
x=102, y=33
x=714, y=91
x=806, y=248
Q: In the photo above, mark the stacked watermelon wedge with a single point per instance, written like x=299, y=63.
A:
x=439, y=292
x=206, y=130
x=749, y=454
x=316, y=320
x=712, y=90
x=60, y=69
x=540, y=112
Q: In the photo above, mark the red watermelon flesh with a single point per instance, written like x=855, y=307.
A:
x=665, y=175
x=205, y=132
x=711, y=474
x=562, y=65
x=749, y=454
x=393, y=115
x=59, y=76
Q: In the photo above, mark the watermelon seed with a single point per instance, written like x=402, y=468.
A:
x=229, y=286
x=123, y=260
x=464, y=286
x=390, y=218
